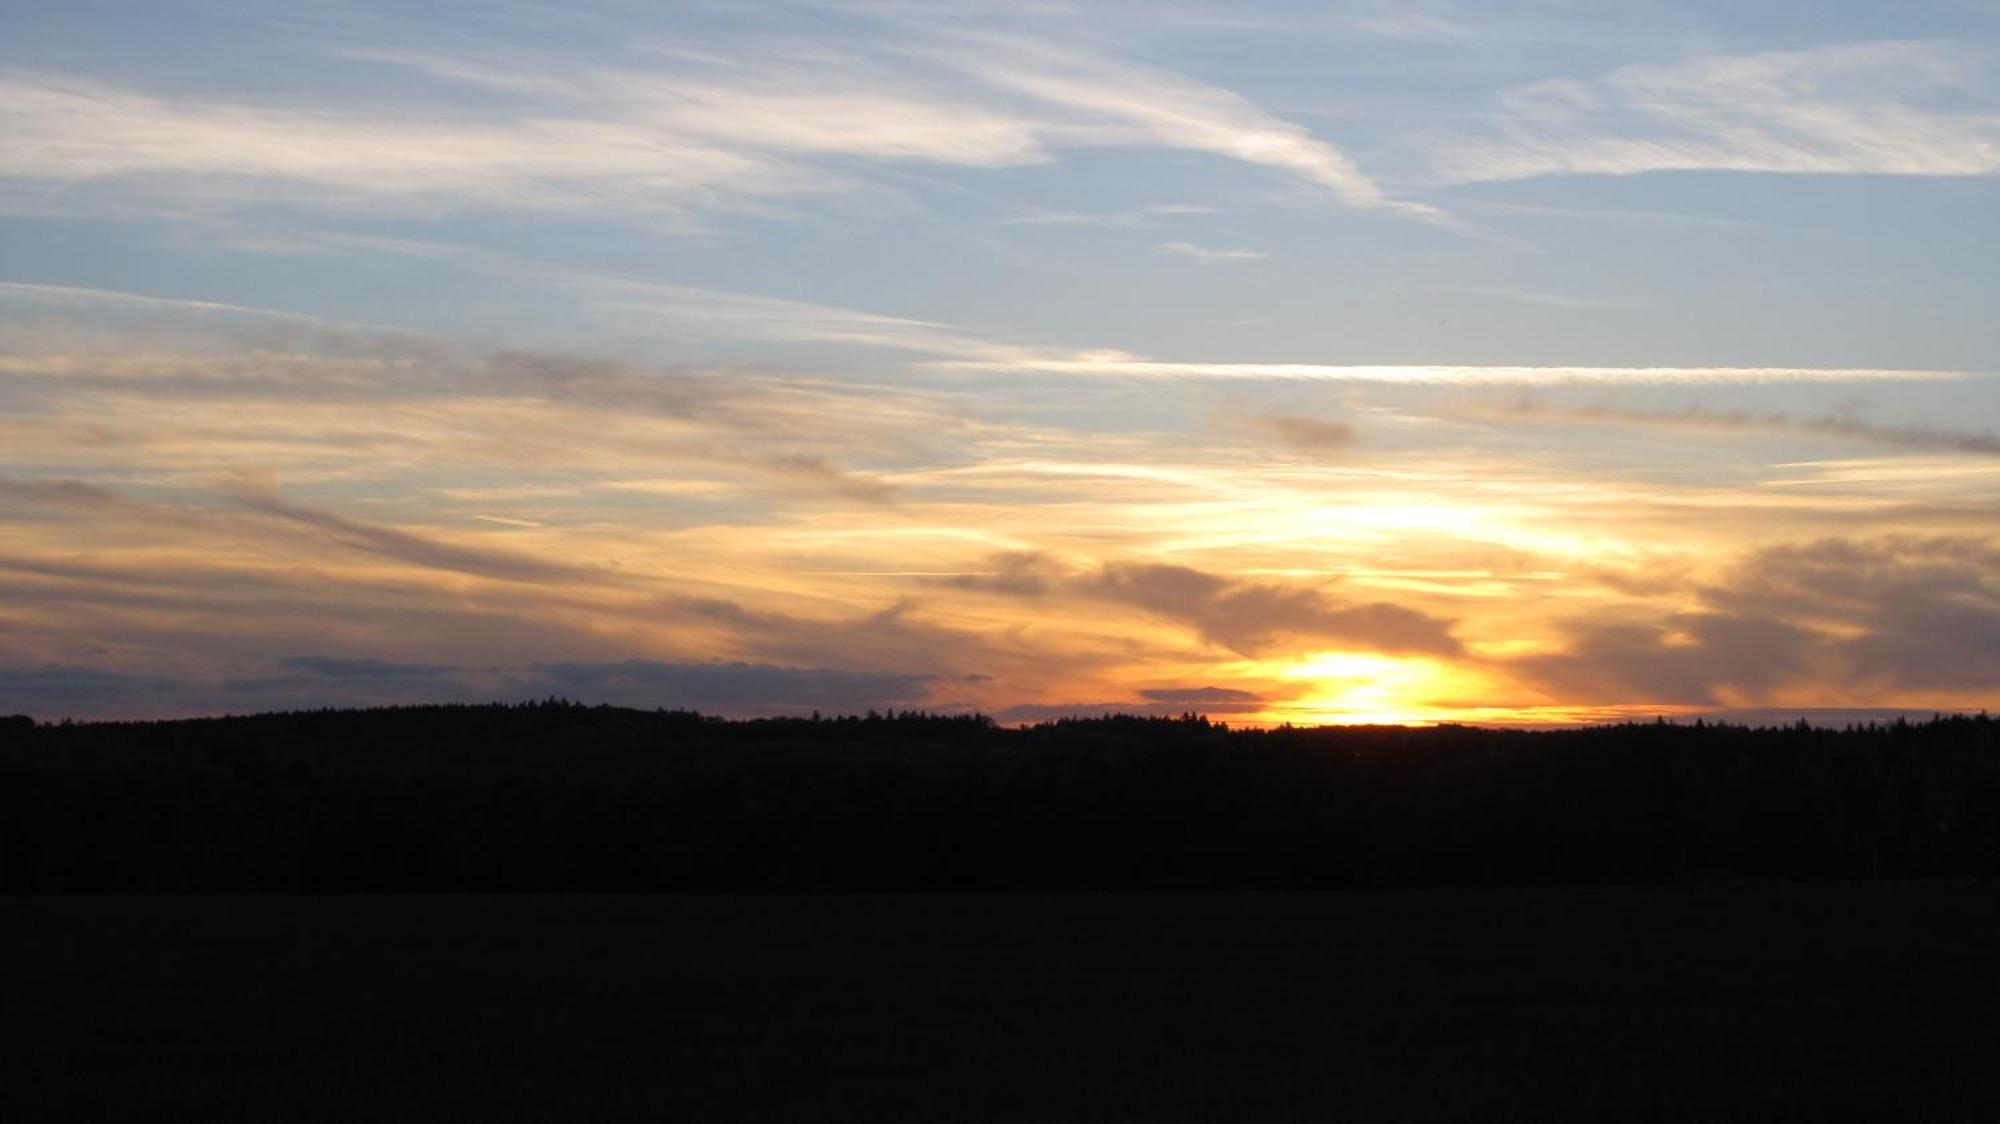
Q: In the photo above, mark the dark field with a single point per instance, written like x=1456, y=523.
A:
x=1755, y=1003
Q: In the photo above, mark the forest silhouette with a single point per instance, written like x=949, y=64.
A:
x=555, y=795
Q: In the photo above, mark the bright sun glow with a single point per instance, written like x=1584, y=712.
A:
x=1363, y=688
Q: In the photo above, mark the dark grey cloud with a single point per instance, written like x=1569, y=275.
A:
x=609, y=385
x=63, y=691
x=823, y=474
x=366, y=670
x=353, y=534
x=356, y=681
x=404, y=546
x=1911, y=611
x=300, y=682
x=58, y=494
x=1248, y=616
x=1848, y=425
x=1895, y=613
x=1220, y=699
x=1309, y=435
x=888, y=637
x=250, y=613
x=1241, y=615
x=1017, y=573
x=240, y=616
x=1682, y=660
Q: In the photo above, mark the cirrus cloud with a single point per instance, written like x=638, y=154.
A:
x=1915, y=108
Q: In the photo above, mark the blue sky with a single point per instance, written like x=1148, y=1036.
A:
x=984, y=326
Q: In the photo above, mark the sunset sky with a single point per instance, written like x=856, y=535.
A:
x=1372, y=361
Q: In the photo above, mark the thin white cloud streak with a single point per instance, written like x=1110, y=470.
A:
x=1913, y=108
x=1118, y=365
x=641, y=306
x=75, y=295
x=1207, y=256
x=645, y=307
x=1138, y=216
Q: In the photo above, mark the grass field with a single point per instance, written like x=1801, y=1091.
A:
x=1754, y=1003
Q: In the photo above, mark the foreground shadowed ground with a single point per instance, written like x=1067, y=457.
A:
x=1773, y=1002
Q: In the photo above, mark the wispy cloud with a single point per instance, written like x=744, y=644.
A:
x=62, y=129
x=642, y=306
x=1123, y=365
x=74, y=296
x=1421, y=20
x=674, y=137
x=825, y=105
x=1137, y=216
x=1117, y=101
x=1206, y=256
x=1881, y=108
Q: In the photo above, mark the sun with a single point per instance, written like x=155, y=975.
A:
x=1365, y=688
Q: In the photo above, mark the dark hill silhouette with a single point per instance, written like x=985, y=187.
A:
x=561, y=796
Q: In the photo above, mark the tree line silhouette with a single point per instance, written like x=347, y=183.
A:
x=556, y=795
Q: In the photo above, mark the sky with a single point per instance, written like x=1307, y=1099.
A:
x=1362, y=361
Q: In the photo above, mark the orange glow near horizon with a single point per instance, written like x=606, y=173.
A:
x=383, y=545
